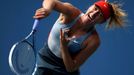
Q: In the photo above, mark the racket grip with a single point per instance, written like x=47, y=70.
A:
x=36, y=22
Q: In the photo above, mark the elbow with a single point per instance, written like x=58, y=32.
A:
x=49, y=5
x=72, y=68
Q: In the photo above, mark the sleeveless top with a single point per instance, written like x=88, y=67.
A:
x=74, y=45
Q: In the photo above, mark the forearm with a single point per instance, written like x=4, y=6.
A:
x=70, y=63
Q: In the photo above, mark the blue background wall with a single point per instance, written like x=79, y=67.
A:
x=115, y=56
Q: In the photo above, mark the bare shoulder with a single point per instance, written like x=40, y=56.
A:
x=93, y=40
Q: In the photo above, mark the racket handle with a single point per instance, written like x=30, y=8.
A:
x=36, y=22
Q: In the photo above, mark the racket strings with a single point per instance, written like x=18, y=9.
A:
x=28, y=55
x=25, y=61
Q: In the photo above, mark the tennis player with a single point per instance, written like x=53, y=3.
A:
x=73, y=37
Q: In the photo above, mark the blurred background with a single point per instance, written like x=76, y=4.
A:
x=113, y=57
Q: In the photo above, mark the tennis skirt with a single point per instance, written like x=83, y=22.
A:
x=49, y=64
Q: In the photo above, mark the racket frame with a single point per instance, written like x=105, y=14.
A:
x=32, y=34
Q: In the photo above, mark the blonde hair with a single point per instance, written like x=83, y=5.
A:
x=118, y=17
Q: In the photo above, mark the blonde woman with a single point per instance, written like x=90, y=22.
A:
x=73, y=37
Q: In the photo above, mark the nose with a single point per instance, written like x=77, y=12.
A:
x=95, y=12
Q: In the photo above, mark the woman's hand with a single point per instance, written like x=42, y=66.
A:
x=67, y=59
x=41, y=13
x=63, y=40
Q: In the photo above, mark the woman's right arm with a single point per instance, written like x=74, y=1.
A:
x=49, y=5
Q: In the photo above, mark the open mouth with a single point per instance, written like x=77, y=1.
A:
x=89, y=17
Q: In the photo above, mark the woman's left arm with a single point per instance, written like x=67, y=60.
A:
x=73, y=63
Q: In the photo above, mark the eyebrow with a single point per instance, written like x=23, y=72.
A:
x=99, y=9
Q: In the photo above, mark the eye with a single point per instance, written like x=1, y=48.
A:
x=95, y=8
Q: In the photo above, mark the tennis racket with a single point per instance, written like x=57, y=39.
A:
x=22, y=56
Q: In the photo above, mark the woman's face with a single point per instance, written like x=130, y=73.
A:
x=94, y=13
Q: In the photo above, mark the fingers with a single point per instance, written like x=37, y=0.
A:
x=63, y=41
x=61, y=34
x=66, y=30
x=40, y=13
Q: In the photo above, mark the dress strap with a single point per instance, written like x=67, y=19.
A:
x=72, y=23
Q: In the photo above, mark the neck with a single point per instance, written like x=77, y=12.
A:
x=87, y=23
x=82, y=25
